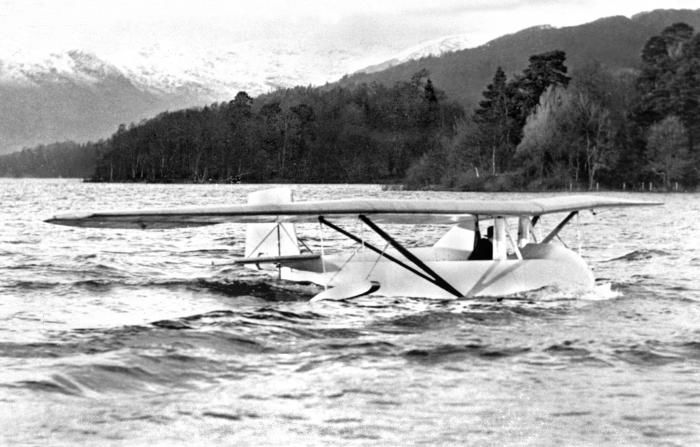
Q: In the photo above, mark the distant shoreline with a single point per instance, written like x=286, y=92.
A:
x=392, y=186
x=574, y=190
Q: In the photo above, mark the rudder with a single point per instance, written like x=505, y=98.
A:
x=271, y=239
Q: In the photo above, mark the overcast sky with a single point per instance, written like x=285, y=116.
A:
x=109, y=26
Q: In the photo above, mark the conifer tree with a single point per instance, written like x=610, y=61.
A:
x=494, y=121
x=544, y=70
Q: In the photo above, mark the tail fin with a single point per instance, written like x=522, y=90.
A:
x=271, y=239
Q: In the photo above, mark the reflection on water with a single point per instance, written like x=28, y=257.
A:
x=132, y=338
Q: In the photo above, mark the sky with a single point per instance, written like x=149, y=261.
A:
x=123, y=26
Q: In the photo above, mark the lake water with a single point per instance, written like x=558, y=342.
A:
x=119, y=337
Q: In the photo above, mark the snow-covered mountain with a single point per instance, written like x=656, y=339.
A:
x=71, y=66
x=81, y=95
x=435, y=47
x=254, y=66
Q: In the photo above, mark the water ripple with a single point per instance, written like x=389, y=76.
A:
x=153, y=337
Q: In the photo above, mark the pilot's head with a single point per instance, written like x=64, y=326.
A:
x=489, y=232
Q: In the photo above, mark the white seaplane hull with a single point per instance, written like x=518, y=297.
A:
x=543, y=265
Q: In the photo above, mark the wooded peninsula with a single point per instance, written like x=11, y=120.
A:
x=544, y=128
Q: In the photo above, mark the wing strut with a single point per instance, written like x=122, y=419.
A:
x=436, y=279
x=558, y=228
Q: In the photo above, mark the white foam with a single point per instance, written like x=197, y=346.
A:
x=601, y=292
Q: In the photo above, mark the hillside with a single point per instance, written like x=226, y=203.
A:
x=72, y=96
x=80, y=96
x=614, y=41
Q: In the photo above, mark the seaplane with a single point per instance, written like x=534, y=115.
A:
x=506, y=259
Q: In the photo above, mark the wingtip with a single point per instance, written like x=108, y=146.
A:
x=54, y=220
x=69, y=220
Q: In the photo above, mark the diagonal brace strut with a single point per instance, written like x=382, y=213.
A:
x=559, y=227
x=437, y=279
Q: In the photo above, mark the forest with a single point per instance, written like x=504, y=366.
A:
x=368, y=134
x=544, y=128
x=67, y=159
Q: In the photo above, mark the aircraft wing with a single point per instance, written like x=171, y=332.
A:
x=576, y=203
x=381, y=210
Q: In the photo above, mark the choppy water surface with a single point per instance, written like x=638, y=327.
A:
x=111, y=337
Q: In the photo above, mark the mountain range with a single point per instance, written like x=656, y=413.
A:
x=615, y=42
x=79, y=95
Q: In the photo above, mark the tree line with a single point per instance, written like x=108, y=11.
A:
x=544, y=128
x=367, y=134
x=66, y=159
